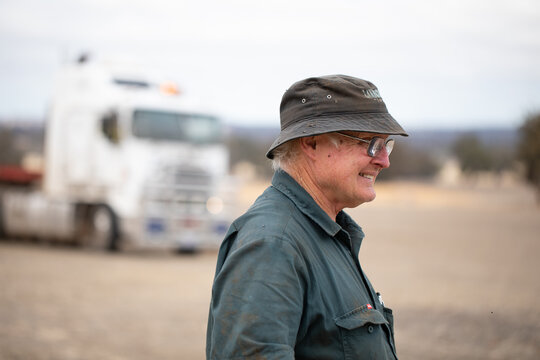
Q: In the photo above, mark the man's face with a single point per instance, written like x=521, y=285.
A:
x=346, y=174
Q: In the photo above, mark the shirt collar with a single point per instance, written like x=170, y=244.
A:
x=307, y=205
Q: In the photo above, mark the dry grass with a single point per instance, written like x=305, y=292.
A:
x=457, y=264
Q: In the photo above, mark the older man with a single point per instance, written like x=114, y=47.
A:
x=288, y=282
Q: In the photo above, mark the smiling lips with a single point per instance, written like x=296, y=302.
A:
x=368, y=176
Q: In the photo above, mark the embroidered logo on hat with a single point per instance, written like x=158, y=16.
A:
x=372, y=94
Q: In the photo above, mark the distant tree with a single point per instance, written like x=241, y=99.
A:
x=9, y=155
x=529, y=149
x=503, y=157
x=472, y=154
x=245, y=149
x=407, y=162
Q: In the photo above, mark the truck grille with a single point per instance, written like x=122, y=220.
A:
x=179, y=185
x=190, y=178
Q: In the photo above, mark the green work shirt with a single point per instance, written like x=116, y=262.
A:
x=289, y=285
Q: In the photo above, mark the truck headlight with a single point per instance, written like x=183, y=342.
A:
x=214, y=205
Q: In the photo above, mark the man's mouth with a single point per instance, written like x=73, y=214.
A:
x=368, y=176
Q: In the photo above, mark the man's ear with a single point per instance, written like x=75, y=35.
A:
x=308, y=145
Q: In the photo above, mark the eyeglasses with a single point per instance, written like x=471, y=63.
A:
x=376, y=144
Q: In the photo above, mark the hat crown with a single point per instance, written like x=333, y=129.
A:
x=326, y=95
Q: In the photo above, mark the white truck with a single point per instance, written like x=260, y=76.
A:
x=128, y=162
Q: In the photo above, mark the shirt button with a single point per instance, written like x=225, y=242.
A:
x=370, y=329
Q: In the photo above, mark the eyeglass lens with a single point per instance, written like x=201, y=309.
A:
x=376, y=144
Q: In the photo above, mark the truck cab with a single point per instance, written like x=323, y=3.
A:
x=135, y=162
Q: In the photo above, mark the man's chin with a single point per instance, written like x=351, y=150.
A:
x=364, y=199
x=371, y=196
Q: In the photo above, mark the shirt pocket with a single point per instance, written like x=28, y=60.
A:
x=390, y=318
x=363, y=335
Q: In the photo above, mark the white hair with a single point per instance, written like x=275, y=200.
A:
x=286, y=153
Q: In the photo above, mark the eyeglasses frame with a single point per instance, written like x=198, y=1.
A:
x=371, y=148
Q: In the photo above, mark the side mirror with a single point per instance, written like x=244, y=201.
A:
x=110, y=127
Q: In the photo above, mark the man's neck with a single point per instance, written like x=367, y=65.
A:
x=305, y=179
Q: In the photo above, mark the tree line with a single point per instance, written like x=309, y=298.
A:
x=408, y=161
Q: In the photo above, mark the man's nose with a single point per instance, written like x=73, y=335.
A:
x=382, y=159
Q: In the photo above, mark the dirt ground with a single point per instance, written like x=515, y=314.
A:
x=458, y=265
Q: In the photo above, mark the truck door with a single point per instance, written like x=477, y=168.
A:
x=78, y=159
x=108, y=155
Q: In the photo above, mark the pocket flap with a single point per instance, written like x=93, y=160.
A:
x=360, y=317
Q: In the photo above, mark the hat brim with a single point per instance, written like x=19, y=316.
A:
x=377, y=123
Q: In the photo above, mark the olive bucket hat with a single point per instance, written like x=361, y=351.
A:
x=332, y=103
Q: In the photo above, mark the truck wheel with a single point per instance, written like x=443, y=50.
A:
x=103, y=229
x=2, y=233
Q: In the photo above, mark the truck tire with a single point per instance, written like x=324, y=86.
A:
x=103, y=229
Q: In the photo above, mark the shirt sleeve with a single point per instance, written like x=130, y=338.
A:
x=257, y=301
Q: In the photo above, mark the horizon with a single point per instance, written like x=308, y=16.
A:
x=466, y=126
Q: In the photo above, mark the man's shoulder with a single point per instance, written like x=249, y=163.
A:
x=264, y=227
x=281, y=217
x=272, y=209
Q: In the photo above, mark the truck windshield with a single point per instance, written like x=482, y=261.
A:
x=161, y=125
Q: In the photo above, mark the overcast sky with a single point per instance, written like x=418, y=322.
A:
x=459, y=63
